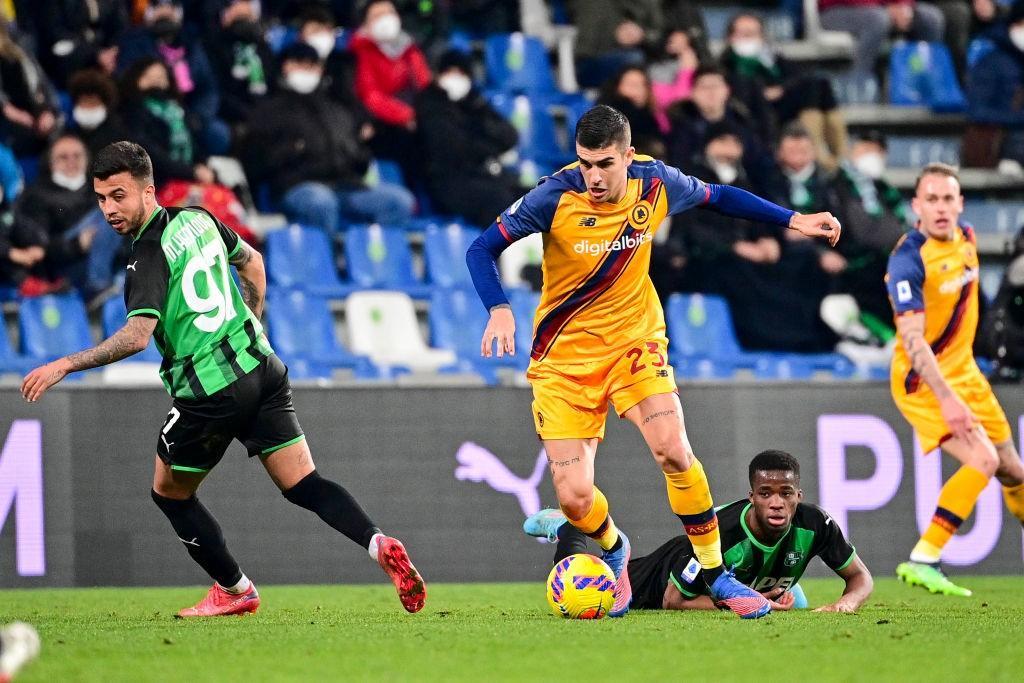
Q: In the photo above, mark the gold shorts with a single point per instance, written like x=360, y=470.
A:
x=922, y=411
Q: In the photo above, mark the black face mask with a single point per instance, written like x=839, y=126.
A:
x=246, y=31
x=157, y=93
x=165, y=29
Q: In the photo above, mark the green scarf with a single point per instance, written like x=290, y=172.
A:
x=171, y=113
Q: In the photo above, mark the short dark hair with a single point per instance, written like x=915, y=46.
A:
x=93, y=82
x=721, y=129
x=316, y=14
x=773, y=461
x=602, y=126
x=123, y=157
x=873, y=136
x=709, y=69
x=937, y=168
x=797, y=131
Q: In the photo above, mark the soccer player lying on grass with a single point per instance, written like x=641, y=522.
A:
x=767, y=540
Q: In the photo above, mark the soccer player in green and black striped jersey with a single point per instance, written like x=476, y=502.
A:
x=224, y=378
x=767, y=541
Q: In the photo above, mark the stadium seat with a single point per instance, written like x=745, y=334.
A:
x=444, y=251
x=700, y=326
x=384, y=171
x=301, y=328
x=113, y=318
x=906, y=151
x=382, y=326
x=772, y=367
x=692, y=368
x=1004, y=217
x=524, y=304
x=541, y=140
x=457, y=322
x=8, y=293
x=303, y=258
x=9, y=360
x=517, y=63
x=978, y=49
x=379, y=258
x=53, y=326
x=525, y=252
x=922, y=74
x=779, y=25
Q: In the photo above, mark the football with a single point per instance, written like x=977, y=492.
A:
x=581, y=587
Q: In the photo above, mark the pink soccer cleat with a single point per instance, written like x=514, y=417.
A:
x=218, y=602
x=395, y=562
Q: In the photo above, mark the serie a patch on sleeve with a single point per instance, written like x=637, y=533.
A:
x=691, y=570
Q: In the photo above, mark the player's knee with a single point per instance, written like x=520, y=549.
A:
x=671, y=454
x=984, y=460
x=576, y=503
x=168, y=491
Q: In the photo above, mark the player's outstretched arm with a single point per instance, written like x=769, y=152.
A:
x=674, y=599
x=482, y=261
x=910, y=327
x=859, y=585
x=252, y=275
x=732, y=201
x=127, y=341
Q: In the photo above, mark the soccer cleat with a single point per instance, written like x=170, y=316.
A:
x=618, y=562
x=930, y=577
x=743, y=601
x=545, y=524
x=218, y=603
x=395, y=562
x=19, y=645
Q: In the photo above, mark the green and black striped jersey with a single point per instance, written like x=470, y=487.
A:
x=178, y=273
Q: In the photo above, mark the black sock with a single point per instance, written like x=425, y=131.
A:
x=334, y=505
x=201, y=534
x=711, y=575
x=570, y=542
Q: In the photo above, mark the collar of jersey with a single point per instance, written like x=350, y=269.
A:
x=149, y=220
x=753, y=539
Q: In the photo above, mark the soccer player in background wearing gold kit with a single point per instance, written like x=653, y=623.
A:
x=936, y=384
x=599, y=332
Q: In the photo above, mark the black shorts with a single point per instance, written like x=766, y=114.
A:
x=649, y=575
x=256, y=409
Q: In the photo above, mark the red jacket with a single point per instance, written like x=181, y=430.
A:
x=829, y=4
x=380, y=79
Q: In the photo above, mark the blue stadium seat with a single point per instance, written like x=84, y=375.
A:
x=8, y=293
x=444, y=250
x=518, y=63
x=914, y=151
x=540, y=139
x=53, y=326
x=385, y=171
x=978, y=49
x=694, y=367
x=113, y=318
x=700, y=326
x=379, y=258
x=301, y=327
x=457, y=322
x=770, y=366
x=303, y=258
x=1005, y=217
x=922, y=74
x=9, y=360
x=524, y=304
x=779, y=25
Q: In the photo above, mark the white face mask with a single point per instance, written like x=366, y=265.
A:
x=457, y=85
x=386, y=28
x=68, y=182
x=726, y=172
x=803, y=175
x=747, y=47
x=1017, y=37
x=302, y=81
x=89, y=118
x=871, y=164
x=322, y=42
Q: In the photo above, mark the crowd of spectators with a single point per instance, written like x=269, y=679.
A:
x=306, y=94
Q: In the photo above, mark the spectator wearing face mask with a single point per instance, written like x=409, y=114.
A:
x=874, y=218
x=60, y=203
x=77, y=35
x=390, y=70
x=311, y=151
x=155, y=118
x=163, y=36
x=629, y=91
x=767, y=82
x=462, y=137
x=94, y=113
x=318, y=29
x=994, y=99
x=241, y=60
x=30, y=112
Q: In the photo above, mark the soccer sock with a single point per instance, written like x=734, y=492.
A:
x=689, y=495
x=374, y=546
x=241, y=587
x=598, y=523
x=956, y=501
x=1014, y=497
x=570, y=542
x=333, y=504
x=201, y=534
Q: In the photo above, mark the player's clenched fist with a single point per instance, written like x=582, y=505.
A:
x=817, y=225
x=501, y=327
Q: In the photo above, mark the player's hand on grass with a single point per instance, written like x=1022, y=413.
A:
x=501, y=327
x=780, y=599
x=838, y=606
x=42, y=378
x=958, y=417
x=817, y=225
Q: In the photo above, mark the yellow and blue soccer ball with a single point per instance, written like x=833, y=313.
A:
x=581, y=587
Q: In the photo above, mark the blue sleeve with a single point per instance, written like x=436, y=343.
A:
x=683, y=191
x=732, y=201
x=533, y=212
x=482, y=260
x=905, y=279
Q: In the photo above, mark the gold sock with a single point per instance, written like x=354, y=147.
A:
x=689, y=495
x=597, y=523
x=1014, y=497
x=956, y=502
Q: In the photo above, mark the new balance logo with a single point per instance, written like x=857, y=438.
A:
x=476, y=463
x=131, y=266
x=194, y=541
x=588, y=221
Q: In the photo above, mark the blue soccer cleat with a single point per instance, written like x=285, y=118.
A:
x=799, y=599
x=743, y=601
x=618, y=562
x=545, y=524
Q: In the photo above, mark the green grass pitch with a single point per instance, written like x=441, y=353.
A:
x=499, y=632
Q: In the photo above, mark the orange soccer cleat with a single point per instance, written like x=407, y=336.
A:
x=218, y=602
x=395, y=562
